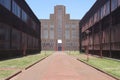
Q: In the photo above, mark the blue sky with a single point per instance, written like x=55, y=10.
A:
x=76, y=8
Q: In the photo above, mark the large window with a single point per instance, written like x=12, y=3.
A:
x=16, y=9
x=15, y=39
x=108, y=8
x=59, y=24
x=114, y=4
x=6, y=3
x=102, y=12
x=4, y=36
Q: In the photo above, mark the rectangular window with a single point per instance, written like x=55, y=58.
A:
x=59, y=24
x=15, y=39
x=4, y=36
x=67, y=34
x=30, y=42
x=73, y=26
x=74, y=34
x=45, y=34
x=24, y=16
x=24, y=40
x=51, y=32
x=102, y=12
x=118, y=2
x=108, y=8
x=67, y=26
x=34, y=42
x=6, y=4
x=114, y=4
x=45, y=26
x=16, y=9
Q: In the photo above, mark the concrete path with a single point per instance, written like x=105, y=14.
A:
x=61, y=66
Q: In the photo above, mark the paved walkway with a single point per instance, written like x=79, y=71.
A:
x=61, y=66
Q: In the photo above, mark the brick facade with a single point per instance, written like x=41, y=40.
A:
x=59, y=28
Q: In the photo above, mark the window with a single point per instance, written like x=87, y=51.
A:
x=51, y=32
x=15, y=39
x=29, y=41
x=108, y=8
x=67, y=26
x=74, y=35
x=67, y=34
x=24, y=40
x=6, y=3
x=102, y=12
x=24, y=16
x=118, y=2
x=95, y=17
x=16, y=9
x=4, y=36
x=114, y=4
x=59, y=24
x=45, y=34
x=45, y=26
x=73, y=26
x=34, y=43
x=51, y=27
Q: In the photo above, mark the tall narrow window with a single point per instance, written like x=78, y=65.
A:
x=67, y=34
x=15, y=39
x=59, y=23
x=114, y=4
x=4, y=36
x=16, y=9
x=24, y=16
x=51, y=32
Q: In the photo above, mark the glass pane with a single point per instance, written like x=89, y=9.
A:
x=6, y=3
x=4, y=36
x=16, y=9
x=114, y=4
x=15, y=39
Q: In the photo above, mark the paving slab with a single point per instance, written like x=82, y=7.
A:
x=61, y=66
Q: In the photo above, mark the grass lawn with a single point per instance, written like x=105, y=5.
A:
x=20, y=63
x=110, y=66
x=5, y=73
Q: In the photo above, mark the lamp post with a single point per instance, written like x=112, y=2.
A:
x=88, y=37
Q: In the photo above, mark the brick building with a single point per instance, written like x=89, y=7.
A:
x=100, y=29
x=59, y=32
x=19, y=29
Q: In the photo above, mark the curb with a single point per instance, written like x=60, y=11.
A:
x=98, y=69
x=13, y=75
x=25, y=69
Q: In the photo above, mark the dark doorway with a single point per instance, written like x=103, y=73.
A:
x=59, y=48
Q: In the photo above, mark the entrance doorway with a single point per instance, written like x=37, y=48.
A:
x=59, y=45
x=59, y=48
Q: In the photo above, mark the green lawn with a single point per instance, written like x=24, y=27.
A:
x=20, y=63
x=110, y=66
x=5, y=73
